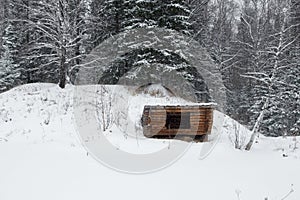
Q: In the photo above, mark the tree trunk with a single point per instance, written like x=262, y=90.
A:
x=254, y=131
x=62, y=69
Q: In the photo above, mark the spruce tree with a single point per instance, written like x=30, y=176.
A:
x=174, y=14
x=268, y=72
x=168, y=14
x=10, y=71
x=122, y=15
x=12, y=40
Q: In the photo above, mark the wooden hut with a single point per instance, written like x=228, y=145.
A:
x=180, y=122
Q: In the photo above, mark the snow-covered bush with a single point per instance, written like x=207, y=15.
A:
x=237, y=133
x=104, y=107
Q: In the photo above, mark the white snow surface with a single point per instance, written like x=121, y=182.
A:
x=41, y=156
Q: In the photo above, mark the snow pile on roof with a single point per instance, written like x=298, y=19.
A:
x=156, y=90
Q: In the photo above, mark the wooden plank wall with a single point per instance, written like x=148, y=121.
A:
x=155, y=117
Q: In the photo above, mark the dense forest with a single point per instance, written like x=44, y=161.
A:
x=254, y=43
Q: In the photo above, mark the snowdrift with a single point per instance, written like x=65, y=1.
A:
x=41, y=156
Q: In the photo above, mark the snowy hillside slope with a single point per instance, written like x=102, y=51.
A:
x=37, y=113
x=41, y=156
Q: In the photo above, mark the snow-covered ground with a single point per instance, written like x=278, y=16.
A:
x=41, y=157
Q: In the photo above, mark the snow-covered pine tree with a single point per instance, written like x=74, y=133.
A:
x=219, y=42
x=139, y=14
x=113, y=14
x=29, y=59
x=168, y=14
x=56, y=45
x=276, y=82
x=12, y=37
x=10, y=72
x=221, y=30
x=2, y=27
x=294, y=76
x=174, y=14
x=123, y=15
x=200, y=18
x=244, y=58
x=77, y=10
x=97, y=23
x=282, y=87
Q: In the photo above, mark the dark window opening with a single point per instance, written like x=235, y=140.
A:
x=177, y=120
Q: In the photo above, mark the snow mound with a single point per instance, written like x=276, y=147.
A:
x=37, y=113
x=41, y=113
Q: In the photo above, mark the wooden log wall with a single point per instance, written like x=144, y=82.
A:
x=177, y=120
